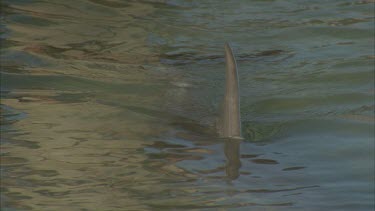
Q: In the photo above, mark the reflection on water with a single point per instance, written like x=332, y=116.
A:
x=111, y=105
x=232, y=152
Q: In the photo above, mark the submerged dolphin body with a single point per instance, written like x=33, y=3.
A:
x=230, y=121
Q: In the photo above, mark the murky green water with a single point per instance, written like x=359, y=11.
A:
x=111, y=105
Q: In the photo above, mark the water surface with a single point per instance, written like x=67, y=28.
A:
x=111, y=105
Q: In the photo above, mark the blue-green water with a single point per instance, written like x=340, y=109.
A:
x=111, y=105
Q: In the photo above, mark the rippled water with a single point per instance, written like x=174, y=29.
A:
x=111, y=105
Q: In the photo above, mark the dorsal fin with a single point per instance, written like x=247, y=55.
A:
x=230, y=126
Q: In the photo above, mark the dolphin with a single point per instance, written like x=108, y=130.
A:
x=230, y=120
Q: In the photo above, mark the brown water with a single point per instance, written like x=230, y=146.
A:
x=111, y=105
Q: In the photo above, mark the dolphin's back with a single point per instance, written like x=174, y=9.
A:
x=230, y=121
